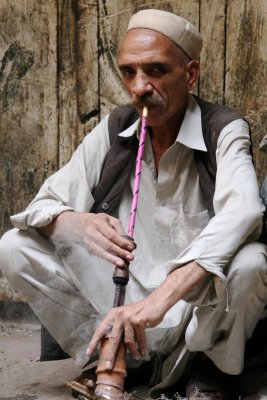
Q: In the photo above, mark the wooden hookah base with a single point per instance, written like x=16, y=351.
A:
x=83, y=392
x=109, y=384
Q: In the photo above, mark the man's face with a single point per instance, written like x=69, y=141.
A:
x=154, y=72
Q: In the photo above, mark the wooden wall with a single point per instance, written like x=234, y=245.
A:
x=59, y=76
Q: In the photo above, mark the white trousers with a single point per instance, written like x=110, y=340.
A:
x=33, y=267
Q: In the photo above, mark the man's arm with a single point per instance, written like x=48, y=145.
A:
x=238, y=210
x=132, y=320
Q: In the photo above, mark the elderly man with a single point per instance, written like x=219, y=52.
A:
x=198, y=275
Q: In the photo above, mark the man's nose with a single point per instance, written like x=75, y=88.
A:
x=142, y=85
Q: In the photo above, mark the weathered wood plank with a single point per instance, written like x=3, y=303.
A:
x=246, y=66
x=28, y=92
x=212, y=27
x=87, y=65
x=67, y=99
x=187, y=9
x=114, y=17
x=28, y=87
x=78, y=73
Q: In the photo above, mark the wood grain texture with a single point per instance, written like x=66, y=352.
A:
x=77, y=73
x=212, y=26
x=28, y=105
x=28, y=92
x=246, y=69
x=113, y=19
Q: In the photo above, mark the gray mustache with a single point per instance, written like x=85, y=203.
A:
x=147, y=100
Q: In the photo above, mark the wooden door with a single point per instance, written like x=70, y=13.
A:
x=59, y=76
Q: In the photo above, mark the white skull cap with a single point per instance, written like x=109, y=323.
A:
x=176, y=28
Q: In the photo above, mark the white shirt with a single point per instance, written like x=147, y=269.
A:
x=172, y=223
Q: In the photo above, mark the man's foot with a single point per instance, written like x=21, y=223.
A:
x=207, y=382
x=207, y=395
x=83, y=385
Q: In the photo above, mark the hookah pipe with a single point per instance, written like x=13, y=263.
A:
x=110, y=384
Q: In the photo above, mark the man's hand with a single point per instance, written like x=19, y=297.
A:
x=100, y=234
x=130, y=323
x=104, y=236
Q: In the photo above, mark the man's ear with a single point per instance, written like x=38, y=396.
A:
x=192, y=73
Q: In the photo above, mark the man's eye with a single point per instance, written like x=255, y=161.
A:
x=157, y=70
x=127, y=72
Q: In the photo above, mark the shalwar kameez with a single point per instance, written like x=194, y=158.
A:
x=72, y=290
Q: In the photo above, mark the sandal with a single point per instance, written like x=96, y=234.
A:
x=198, y=394
x=84, y=385
x=207, y=382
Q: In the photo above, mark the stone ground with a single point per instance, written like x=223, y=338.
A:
x=22, y=376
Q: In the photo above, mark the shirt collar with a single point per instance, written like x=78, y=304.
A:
x=131, y=130
x=190, y=133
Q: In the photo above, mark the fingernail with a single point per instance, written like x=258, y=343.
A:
x=108, y=365
x=88, y=351
x=129, y=257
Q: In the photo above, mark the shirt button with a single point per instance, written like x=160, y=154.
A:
x=105, y=206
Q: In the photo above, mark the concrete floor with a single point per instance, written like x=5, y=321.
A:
x=22, y=376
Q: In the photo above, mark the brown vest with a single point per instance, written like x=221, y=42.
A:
x=122, y=154
x=121, y=157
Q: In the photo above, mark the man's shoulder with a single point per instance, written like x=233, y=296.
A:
x=219, y=112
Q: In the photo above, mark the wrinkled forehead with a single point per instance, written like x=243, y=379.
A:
x=145, y=43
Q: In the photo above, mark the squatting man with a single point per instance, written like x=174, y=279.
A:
x=197, y=276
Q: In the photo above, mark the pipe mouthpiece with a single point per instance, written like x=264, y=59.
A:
x=145, y=112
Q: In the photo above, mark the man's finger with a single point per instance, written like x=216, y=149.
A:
x=99, y=334
x=122, y=241
x=130, y=341
x=114, y=341
x=106, y=250
x=141, y=339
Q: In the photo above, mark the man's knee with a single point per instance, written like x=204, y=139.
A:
x=247, y=277
x=249, y=264
x=17, y=249
x=10, y=242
